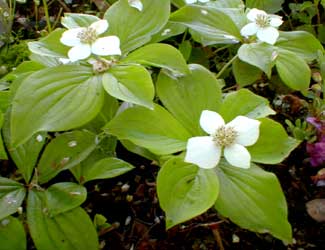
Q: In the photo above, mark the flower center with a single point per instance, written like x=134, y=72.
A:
x=87, y=35
x=225, y=136
x=263, y=21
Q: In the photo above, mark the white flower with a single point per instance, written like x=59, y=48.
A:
x=195, y=1
x=136, y=4
x=205, y=151
x=85, y=41
x=263, y=25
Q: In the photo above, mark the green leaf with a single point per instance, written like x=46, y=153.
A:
x=245, y=74
x=12, y=195
x=270, y=6
x=3, y=154
x=252, y=198
x=74, y=20
x=260, y=55
x=130, y=83
x=67, y=231
x=4, y=100
x=302, y=43
x=159, y=55
x=169, y=30
x=139, y=150
x=64, y=152
x=104, y=169
x=228, y=4
x=107, y=112
x=185, y=191
x=186, y=97
x=55, y=99
x=293, y=70
x=50, y=45
x=156, y=130
x=12, y=234
x=273, y=144
x=64, y=196
x=246, y=103
x=210, y=25
x=134, y=27
x=25, y=155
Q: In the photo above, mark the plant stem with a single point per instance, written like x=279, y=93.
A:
x=226, y=66
x=48, y=21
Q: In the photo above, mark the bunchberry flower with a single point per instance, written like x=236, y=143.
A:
x=265, y=26
x=195, y=1
x=231, y=138
x=136, y=4
x=85, y=41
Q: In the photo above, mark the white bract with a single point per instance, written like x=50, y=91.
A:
x=265, y=26
x=195, y=1
x=136, y=4
x=86, y=40
x=231, y=138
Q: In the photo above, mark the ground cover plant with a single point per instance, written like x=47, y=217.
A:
x=150, y=124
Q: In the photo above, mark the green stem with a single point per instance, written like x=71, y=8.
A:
x=47, y=16
x=226, y=66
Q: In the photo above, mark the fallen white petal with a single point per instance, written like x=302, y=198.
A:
x=190, y=1
x=247, y=129
x=253, y=13
x=275, y=20
x=268, y=35
x=69, y=37
x=100, y=26
x=238, y=156
x=79, y=52
x=136, y=4
x=202, y=151
x=210, y=121
x=249, y=29
x=109, y=45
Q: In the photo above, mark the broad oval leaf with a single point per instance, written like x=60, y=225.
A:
x=273, y=144
x=25, y=155
x=293, y=70
x=156, y=130
x=130, y=83
x=185, y=191
x=64, y=152
x=103, y=169
x=270, y=6
x=246, y=103
x=252, y=198
x=302, y=43
x=12, y=195
x=64, y=196
x=159, y=55
x=76, y=20
x=210, y=25
x=186, y=97
x=67, y=231
x=134, y=27
x=260, y=55
x=55, y=99
x=12, y=234
x=244, y=73
x=50, y=45
x=3, y=154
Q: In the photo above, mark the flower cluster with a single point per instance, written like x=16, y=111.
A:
x=231, y=138
x=86, y=41
x=263, y=25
